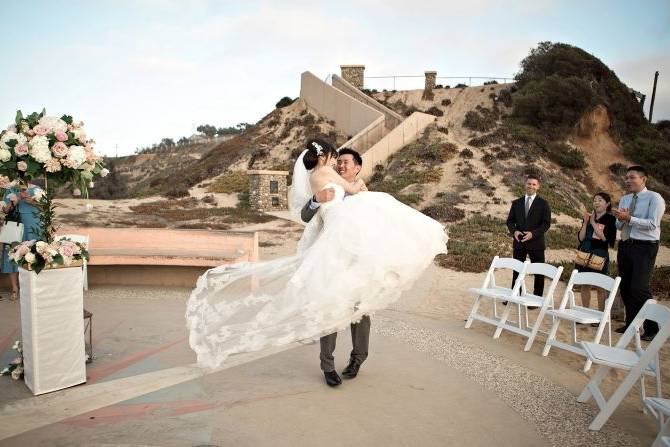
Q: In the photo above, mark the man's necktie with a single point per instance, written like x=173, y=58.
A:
x=527, y=205
x=625, y=231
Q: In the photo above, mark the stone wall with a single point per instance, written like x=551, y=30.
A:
x=353, y=74
x=268, y=190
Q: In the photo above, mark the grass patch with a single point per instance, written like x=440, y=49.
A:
x=234, y=182
x=561, y=236
x=474, y=242
x=665, y=233
x=660, y=283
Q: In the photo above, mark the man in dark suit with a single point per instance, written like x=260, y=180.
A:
x=529, y=218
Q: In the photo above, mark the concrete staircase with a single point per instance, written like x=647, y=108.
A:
x=378, y=132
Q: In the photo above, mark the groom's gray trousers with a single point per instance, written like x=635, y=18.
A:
x=360, y=332
x=360, y=339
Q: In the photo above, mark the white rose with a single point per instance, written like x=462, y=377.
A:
x=104, y=172
x=39, y=149
x=53, y=123
x=79, y=134
x=29, y=258
x=41, y=246
x=77, y=155
x=7, y=136
x=5, y=155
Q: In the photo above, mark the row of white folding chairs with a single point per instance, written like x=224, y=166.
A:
x=568, y=309
x=638, y=362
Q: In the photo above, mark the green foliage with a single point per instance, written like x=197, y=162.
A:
x=474, y=242
x=651, y=150
x=566, y=156
x=207, y=129
x=481, y=119
x=444, y=212
x=558, y=83
x=233, y=182
x=111, y=187
x=285, y=101
x=660, y=283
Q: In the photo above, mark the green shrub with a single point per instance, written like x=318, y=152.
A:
x=285, y=101
x=481, y=119
x=233, y=182
x=435, y=111
x=566, y=156
x=466, y=153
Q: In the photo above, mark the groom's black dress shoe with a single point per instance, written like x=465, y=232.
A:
x=351, y=370
x=332, y=379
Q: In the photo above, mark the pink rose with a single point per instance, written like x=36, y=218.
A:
x=61, y=136
x=22, y=250
x=21, y=150
x=66, y=250
x=59, y=149
x=40, y=130
x=22, y=166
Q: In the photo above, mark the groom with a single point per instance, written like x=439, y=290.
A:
x=349, y=164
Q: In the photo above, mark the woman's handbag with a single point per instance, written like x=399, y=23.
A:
x=589, y=260
x=12, y=230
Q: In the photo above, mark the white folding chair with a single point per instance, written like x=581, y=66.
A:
x=491, y=291
x=638, y=363
x=526, y=300
x=84, y=239
x=660, y=409
x=570, y=311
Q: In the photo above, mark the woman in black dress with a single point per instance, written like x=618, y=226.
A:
x=597, y=235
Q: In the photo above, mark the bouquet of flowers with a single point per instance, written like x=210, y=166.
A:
x=39, y=145
x=15, y=368
x=58, y=150
x=38, y=255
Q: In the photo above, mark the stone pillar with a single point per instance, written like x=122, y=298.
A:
x=268, y=190
x=431, y=77
x=353, y=74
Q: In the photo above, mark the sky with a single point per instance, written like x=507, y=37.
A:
x=137, y=71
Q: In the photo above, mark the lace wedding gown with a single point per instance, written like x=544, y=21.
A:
x=357, y=255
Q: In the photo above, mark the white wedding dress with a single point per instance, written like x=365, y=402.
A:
x=357, y=255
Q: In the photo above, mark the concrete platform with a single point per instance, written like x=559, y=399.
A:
x=423, y=385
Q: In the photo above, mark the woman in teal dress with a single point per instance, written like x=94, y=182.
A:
x=25, y=201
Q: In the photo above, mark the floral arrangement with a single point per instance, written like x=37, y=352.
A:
x=15, y=368
x=38, y=255
x=58, y=150
x=38, y=144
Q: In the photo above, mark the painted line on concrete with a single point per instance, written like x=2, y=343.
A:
x=40, y=411
x=109, y=369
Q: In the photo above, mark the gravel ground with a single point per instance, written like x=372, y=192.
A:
x=552, y=409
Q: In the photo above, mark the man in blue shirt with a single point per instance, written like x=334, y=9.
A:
x=639, y=219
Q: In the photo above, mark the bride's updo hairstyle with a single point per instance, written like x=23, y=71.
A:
x=317, y=148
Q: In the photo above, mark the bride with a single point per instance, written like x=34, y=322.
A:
x=363, y=252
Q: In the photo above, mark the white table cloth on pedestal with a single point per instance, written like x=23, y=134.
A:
x=52, y=329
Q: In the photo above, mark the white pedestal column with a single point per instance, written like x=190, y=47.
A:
x=52, y=329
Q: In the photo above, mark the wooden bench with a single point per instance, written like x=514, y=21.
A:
x=159, y=256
